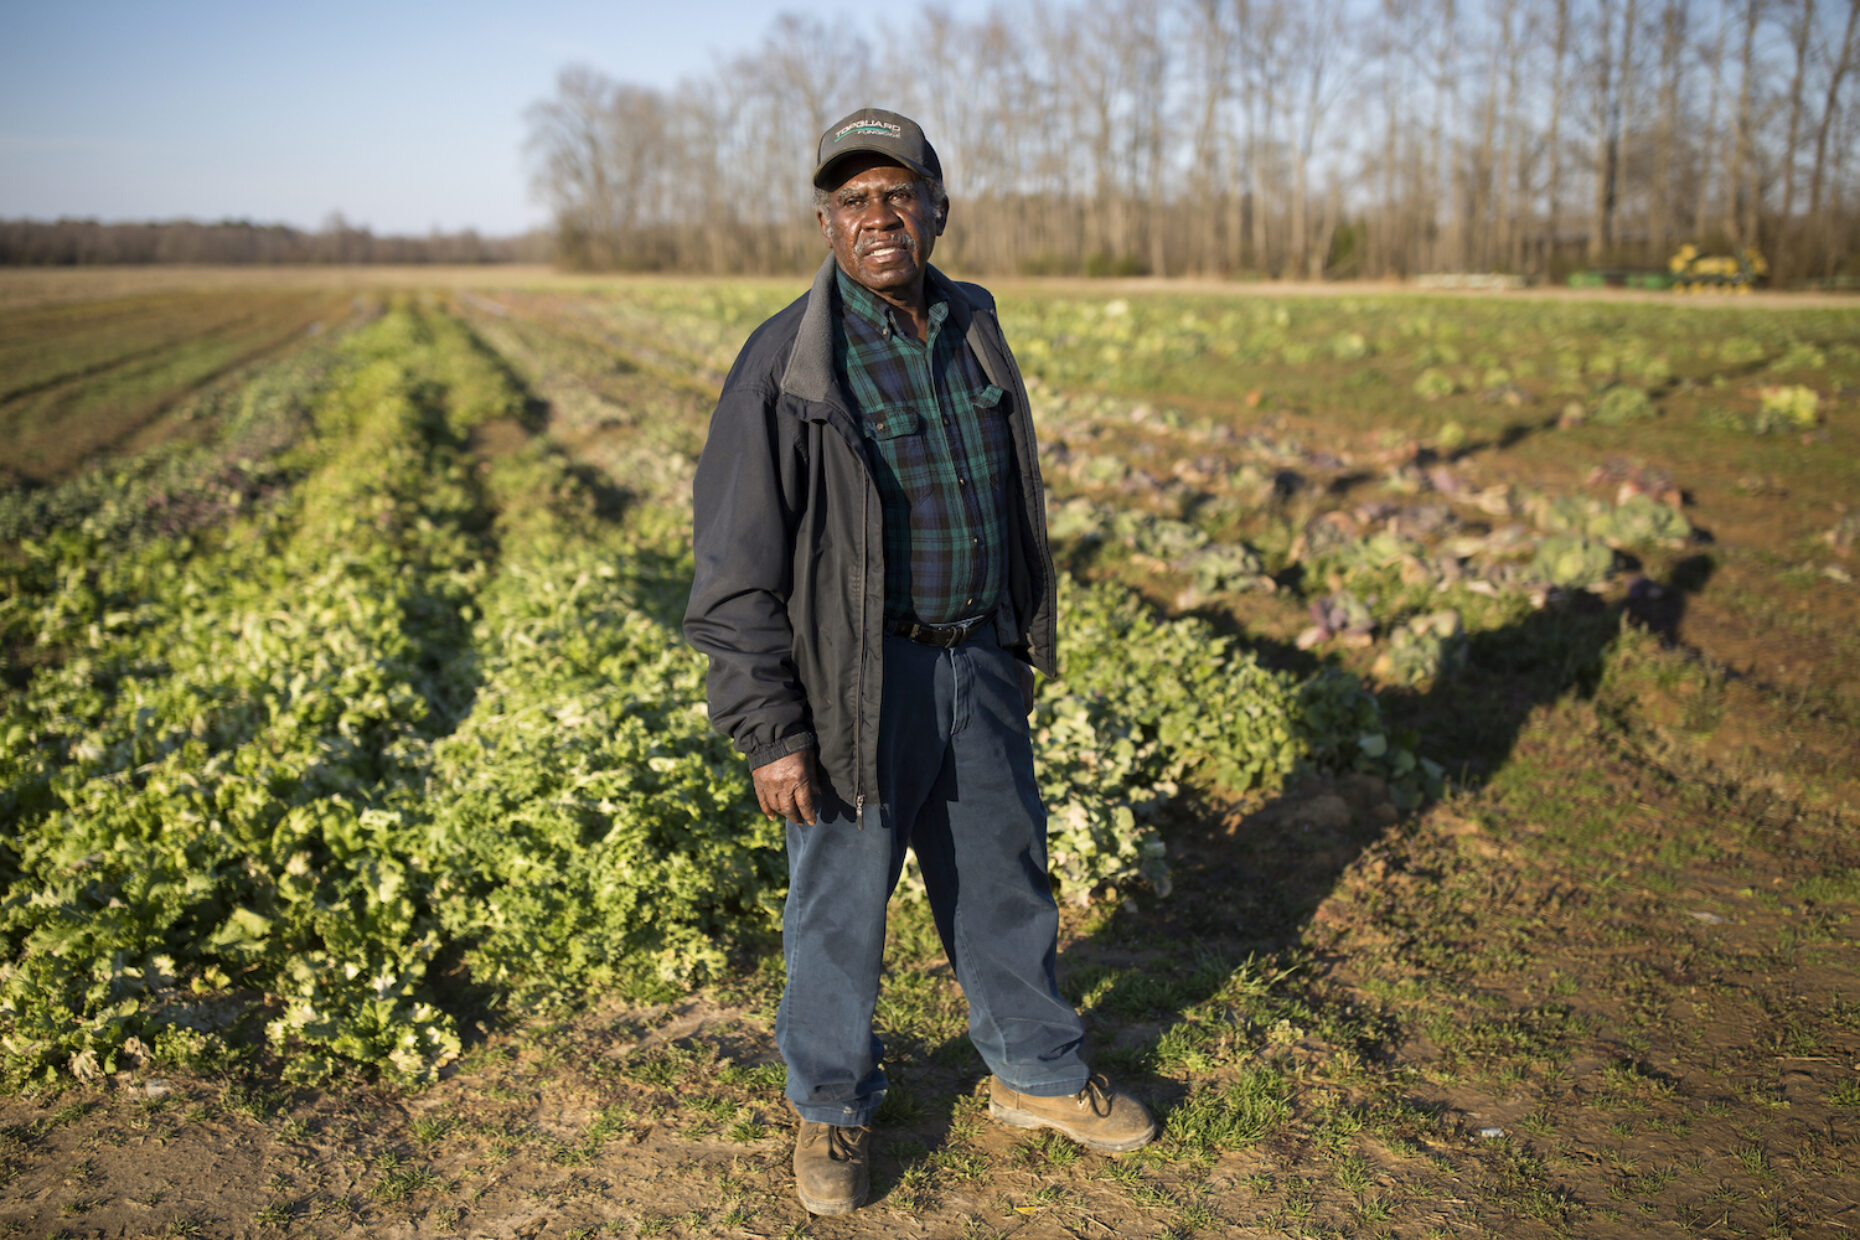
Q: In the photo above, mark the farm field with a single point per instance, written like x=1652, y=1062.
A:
x=1453, y=784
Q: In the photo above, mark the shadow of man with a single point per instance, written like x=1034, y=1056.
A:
x=1249, y=880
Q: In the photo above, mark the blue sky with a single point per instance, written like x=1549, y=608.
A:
x=403, y=116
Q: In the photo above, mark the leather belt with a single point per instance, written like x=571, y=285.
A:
x=948, y=636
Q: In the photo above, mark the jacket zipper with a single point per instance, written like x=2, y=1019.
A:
x=865, y=515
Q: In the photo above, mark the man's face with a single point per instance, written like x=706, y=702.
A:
x=881, y=225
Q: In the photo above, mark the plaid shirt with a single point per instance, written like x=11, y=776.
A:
x=936, y=434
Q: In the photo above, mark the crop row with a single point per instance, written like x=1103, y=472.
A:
x=1090, y=343
x=84, y=379
x=1227, y=513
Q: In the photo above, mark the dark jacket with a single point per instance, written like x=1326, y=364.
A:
x=789, y=596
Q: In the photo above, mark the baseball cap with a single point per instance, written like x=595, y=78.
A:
x=897, y=138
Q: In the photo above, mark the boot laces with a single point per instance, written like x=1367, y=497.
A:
x=1096, y=1095
x=843, y=1143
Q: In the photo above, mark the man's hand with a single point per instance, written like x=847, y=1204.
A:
x=1026, y=686
x=788, y=787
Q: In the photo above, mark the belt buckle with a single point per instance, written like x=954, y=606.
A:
x=957, y=633
x=942, y=636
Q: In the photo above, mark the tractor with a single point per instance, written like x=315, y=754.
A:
x=1694, y=272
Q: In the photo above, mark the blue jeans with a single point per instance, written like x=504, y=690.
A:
x=955, y=771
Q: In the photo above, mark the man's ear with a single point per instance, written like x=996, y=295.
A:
x=826, y=229
x=942, y=216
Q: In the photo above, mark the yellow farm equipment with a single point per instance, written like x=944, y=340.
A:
x=1694, y=272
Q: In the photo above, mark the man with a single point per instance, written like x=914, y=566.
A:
x=873, y=580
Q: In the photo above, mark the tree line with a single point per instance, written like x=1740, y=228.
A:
x=1280, y=138
x=84, y=242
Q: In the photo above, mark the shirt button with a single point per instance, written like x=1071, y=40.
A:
x=962, y=482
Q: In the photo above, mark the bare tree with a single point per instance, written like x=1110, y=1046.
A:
x=1843, y=62
x=571, y=169
x=75, y=243
x=1208, y=40
x=1224, y=136
x=1606, y=116
x=1558, y=87
x=1669, y=87
x=1314, y=70
x=1802, y=24
x=1741, y=203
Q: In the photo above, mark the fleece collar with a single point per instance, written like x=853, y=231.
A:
x=810, y=364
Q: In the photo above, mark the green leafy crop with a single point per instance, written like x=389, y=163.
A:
x=349, y=708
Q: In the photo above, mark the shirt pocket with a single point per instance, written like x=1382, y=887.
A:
x=991, y=406
x=894, y=422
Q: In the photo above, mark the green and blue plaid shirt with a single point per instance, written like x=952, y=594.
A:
x=936, y=433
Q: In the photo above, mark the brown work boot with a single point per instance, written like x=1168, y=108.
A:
x=1097, y=1117
x=831, y=1173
